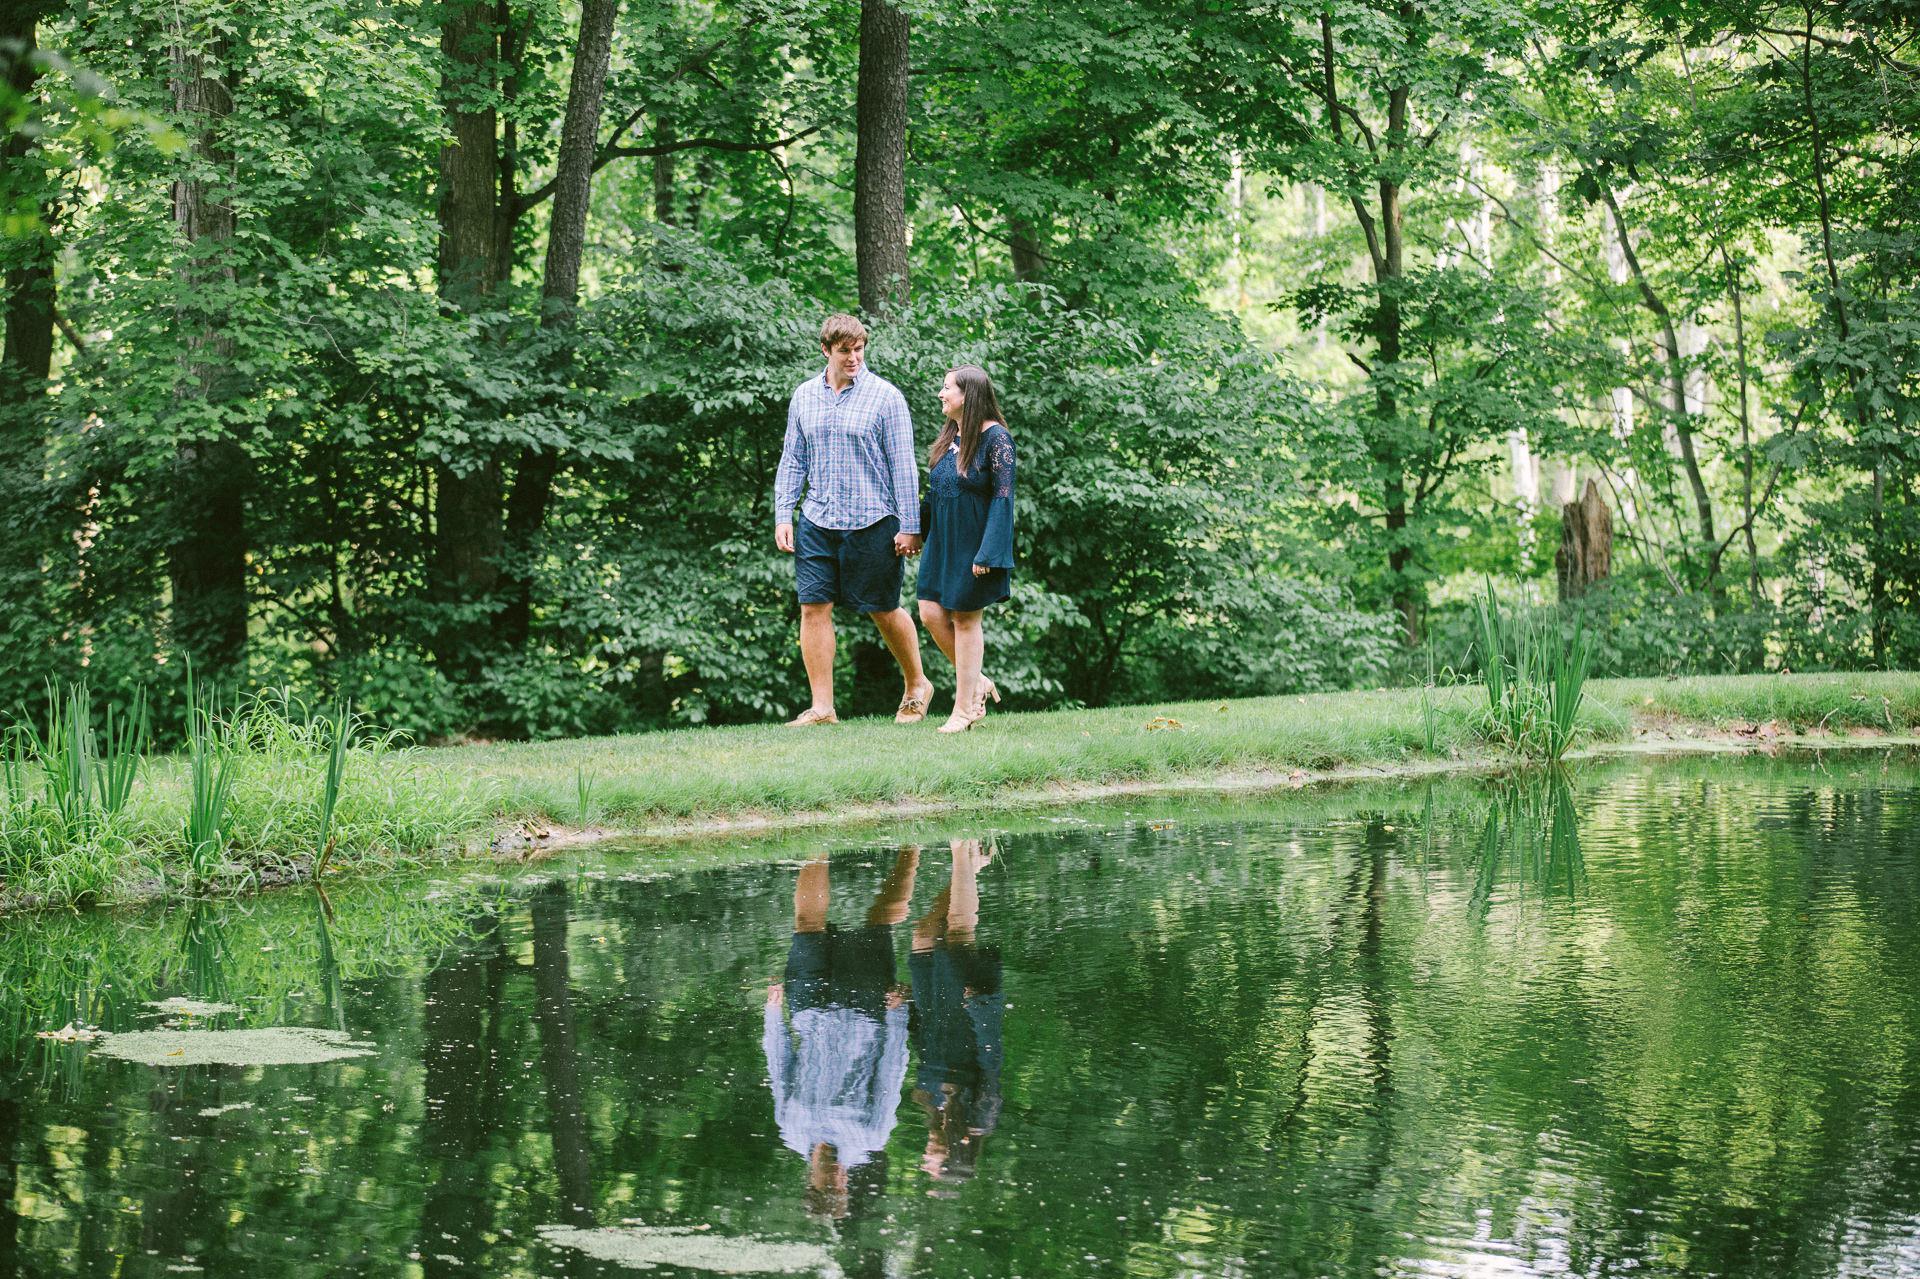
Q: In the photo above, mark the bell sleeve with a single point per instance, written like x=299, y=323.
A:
x=996, y=543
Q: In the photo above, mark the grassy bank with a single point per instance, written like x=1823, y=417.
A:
x=400, y=807
x=699, y=775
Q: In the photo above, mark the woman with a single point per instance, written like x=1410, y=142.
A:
x=967, y=519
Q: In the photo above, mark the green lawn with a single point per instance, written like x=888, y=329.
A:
x=693, y=775
x=402, y=807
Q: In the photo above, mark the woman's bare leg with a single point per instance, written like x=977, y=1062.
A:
x=939, y=624
x=969, y=651
x=963, y=890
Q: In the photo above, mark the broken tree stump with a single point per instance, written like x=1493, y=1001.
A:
x=1586, y=544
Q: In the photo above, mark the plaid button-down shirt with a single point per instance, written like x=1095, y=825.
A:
x=851, y=453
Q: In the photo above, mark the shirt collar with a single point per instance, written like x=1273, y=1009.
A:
x=850, y=386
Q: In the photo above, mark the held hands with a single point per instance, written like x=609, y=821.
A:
x=783, y=537
x=981, y=570
x=907, y=543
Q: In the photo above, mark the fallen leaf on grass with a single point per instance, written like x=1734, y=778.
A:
x=1164, y=723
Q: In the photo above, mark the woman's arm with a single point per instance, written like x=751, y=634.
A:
x=996, y=543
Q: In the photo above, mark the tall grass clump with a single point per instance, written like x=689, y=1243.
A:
x=264, y=791
x=320, y=790
x=210, y=762
x=340, y=728
x=64, y=789
x=1535, y=674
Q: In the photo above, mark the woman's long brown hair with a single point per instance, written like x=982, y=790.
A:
x=978, y=406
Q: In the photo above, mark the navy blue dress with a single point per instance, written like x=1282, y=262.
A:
x=968, y=520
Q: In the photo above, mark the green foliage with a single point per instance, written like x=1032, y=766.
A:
x=1284, y=369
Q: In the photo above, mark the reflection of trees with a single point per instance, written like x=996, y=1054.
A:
x=560, y=1054
x=10, y=1138
x=461, y=1044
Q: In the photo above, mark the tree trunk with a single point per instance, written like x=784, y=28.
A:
x=208, y=555
x=880, y=158
x=1676, y=378
x=663, y=210
x=560, y=286
x=467, y=531
x=1023, y=240
x=1389, y=270
x=28, y=355
x=1586, y=544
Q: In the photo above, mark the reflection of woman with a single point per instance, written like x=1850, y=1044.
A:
x=958, y=1004
x=837, y=1061
x=968, y=523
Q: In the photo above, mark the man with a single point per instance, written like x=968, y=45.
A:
x=849, y=449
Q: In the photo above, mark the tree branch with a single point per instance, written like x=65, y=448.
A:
x=708, y=144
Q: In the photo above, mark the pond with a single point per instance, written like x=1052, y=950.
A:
x=1659, y=1018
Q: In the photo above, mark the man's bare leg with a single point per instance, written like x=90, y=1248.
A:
x=816, y=650
x=903, y=641
x=810, y=898
x=890, y=903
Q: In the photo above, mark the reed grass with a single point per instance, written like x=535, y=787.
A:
x=264, y=792
x=210, y=786
x=1535, y=671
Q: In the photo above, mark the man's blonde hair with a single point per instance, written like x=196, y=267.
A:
x=841, y=328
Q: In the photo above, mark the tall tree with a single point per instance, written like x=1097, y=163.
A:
x=560, y=285
x=1376, y=85
x=468, y=534
x=880, y=157
x=207, y=560
x=28, y=354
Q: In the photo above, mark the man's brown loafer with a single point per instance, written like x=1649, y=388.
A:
x=913, y=707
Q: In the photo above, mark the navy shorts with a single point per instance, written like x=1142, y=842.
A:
x=855, y=567
x=841, y=968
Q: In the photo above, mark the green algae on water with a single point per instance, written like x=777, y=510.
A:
x=645, y=1247
x=259, y=1046
x=178, y=1007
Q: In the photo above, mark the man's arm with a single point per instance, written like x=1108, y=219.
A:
x=790, y=478
x=896, y=442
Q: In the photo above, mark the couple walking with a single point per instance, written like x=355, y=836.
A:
x=849, y=452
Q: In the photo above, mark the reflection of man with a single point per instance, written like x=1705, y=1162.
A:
x=836, y=1061
x=958, y=995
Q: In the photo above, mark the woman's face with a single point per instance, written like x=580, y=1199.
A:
x=950, y=398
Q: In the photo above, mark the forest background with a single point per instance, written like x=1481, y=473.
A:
x=437, y=354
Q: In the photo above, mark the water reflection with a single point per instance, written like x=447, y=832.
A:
x=958, y=1004
x=1663, y=1019
x=1531, y=836
x=835, y=1038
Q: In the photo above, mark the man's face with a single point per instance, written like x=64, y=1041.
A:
x=844, y=360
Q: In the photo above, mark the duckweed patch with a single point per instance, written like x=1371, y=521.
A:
x=180, y=1007
x=258, y=1046
x=645, y=1247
